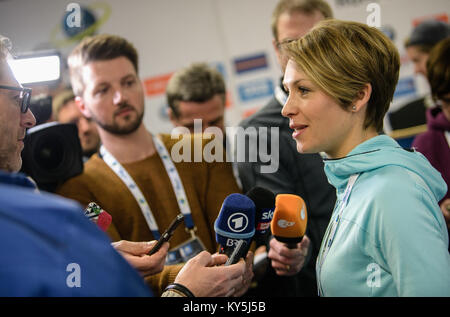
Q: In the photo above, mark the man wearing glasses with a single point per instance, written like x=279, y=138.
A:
x=37, y=230
x=15, y=117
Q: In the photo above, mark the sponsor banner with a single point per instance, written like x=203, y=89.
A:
x=405, y=86
x=220, y=67
x=228, y=100
x=255, y=89
x=250, y=63
x=156, y=85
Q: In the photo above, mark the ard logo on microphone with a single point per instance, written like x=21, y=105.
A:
x=238, y=222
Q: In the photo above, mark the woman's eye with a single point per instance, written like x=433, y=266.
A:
x=303, y=90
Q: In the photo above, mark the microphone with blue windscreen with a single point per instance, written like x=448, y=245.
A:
x=235, y=222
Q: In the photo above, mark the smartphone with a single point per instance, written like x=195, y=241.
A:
x=167, y=234
x=237, y=253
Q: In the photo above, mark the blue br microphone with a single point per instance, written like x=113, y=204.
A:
x=235, y=222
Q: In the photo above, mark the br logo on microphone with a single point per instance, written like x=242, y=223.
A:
x=238, y=222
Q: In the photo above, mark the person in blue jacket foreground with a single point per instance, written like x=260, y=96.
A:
x=48, y=247
x=387, y=235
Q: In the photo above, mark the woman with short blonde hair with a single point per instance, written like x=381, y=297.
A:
x=387, y=236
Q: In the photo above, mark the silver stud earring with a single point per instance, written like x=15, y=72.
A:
x=354, y=108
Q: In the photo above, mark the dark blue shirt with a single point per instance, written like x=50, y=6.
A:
x=49, y=248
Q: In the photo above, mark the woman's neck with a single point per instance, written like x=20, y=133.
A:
x=353, y=140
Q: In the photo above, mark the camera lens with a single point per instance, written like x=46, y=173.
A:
x=49, y=153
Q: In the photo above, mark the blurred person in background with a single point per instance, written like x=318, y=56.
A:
x=418, y=46
x=65, y=110
x=422, y=40
x=198, y=91
x=435, y=143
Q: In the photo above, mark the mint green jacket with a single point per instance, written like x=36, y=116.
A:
x=392, y=239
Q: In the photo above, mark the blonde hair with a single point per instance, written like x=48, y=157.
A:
x=341, y=57
x=305, y=6
x=98, y=48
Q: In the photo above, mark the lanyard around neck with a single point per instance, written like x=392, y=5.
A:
x=331, y=232
x=174, y=177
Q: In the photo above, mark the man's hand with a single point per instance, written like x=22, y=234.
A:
x=285, y=261
x=205, y=276
x=136, y=255
x=248, y=276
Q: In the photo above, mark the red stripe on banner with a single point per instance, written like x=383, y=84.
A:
x=156, y=85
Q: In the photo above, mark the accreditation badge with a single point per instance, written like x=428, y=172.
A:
x=185, y=251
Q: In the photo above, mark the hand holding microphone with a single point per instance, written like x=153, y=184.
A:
x=206, y=276
x=133, y=252
x=289, y=249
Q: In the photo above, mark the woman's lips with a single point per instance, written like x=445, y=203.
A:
x=298, y=129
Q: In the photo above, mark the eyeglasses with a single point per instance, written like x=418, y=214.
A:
x=24, y=97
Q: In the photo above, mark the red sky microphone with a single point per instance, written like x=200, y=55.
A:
x=289, y=219
x=264, y=201
x=97, y=215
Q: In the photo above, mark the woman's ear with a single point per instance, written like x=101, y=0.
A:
x=362, y=98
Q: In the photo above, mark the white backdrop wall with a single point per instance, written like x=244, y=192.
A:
x=170, y=34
